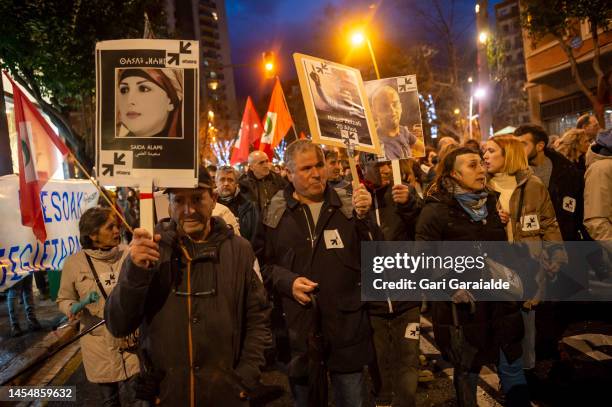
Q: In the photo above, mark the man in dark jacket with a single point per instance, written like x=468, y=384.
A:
x=396, y=210
x=309, y=247
x=199, y=305
x=260, y=184
x=564, y=182
x=230, y=196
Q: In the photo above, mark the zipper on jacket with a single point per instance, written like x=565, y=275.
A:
x=312, y=239
x=189, y=333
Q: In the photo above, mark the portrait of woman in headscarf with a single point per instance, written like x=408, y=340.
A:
x=149, y=102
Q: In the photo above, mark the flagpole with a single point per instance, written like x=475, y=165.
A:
x=112, y=206
x=287, y=107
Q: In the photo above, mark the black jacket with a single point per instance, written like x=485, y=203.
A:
x=494, y=324
x=221, y=332
x=261, y=191
x=246, y=212
x=290, y=246
x=566, y=188
x=397, y=223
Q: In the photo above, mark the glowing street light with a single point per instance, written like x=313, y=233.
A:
x=357, y=39
x=469, y=79
x=480, y=93
x=456, y=111
x=477, y=8
x=483, y=37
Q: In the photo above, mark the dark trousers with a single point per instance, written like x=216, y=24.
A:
x=110, y=393
x=397, y=358
x=24, y=289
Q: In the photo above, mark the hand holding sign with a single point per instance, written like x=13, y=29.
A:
x=144, y=250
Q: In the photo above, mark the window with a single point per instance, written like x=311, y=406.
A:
x=214, y=15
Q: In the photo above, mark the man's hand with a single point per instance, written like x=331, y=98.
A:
x=301, y=287
x=362, y=201
x=144, y=250
x=400, y=193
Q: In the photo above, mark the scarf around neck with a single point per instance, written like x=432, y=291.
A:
x=473, y=203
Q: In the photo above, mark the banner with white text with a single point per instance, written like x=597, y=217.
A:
x=63, y=203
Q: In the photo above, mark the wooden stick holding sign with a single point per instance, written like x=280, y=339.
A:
x=102, y=194
x=350, y=152
x=146, y=206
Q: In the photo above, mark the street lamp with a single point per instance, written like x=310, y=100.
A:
x=456, y=111
x=483, y=37
x=357, y=39
x=480, y=93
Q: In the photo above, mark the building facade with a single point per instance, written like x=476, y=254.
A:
x=512, y=106
x=206, y=20
x=555, y=100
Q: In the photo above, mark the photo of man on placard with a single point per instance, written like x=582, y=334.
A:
x=395, y=107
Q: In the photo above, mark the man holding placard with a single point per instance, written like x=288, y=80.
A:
x=200, y=305
x=310, y=247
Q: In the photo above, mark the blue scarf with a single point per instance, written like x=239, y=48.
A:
x=474, y=203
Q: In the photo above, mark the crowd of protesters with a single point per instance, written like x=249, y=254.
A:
x=195, y=310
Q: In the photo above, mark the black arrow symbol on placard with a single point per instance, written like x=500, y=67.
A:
x=184, y=48
x=108, y=169
x=174, y=58
x=119, y=159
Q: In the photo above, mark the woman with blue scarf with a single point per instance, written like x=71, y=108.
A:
x=458, y=207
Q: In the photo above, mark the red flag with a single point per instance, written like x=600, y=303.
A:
x=37, y=148
x=250, y=132
x=277, y=121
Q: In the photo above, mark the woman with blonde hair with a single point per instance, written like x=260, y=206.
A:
x=525, y=207
x=573, y=145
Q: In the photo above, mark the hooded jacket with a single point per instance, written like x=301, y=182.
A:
x=289, y=246
x=202, y=314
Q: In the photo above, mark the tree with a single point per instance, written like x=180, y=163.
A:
x=557, y=17
x=48, y=47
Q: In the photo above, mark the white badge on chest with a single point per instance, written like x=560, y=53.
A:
x=530, y=223
x=569, y=204
x=332, y=239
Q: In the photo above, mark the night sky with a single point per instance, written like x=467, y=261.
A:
x=290, y=26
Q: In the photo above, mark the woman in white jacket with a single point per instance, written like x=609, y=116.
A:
x=95, y=269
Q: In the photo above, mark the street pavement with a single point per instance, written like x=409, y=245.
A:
x=67, y=369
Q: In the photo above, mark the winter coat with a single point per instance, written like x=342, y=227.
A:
x=493, y=325
x=565, y=188
x=397, y=223
x=598, y=197
x=261, y=191
x=246, y=212
x=206, y=347
x=290, y=246
x=103, y=361
x=536, y=224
